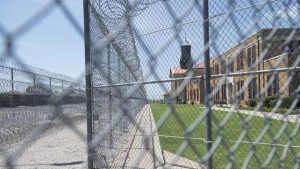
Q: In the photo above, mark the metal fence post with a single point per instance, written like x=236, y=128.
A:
x=50, y=87
x=207, y=81
x=34, y=88
x=110, y=93
x=12, y=79
x=12, y=86
x=88, y=83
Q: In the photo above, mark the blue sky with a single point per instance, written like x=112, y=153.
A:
x=52, y=43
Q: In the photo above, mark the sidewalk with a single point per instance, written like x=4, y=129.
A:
x=275, y=116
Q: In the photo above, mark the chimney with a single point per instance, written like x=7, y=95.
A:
x=186, y=58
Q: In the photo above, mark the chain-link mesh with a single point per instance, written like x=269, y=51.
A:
x=36, y=105
x=159, y=95
x=150, y=63
x=34, y=98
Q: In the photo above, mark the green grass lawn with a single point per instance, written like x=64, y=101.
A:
x=231, y=131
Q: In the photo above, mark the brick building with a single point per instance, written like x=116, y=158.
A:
x=267, y=49
x=193, y=92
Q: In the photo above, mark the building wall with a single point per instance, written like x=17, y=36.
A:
x=175, y=85
x=263, y=50
x=195, y=88
x=243, y=57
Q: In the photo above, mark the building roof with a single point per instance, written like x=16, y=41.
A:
x=177, y=71
x=180, y=71
x=201, y=65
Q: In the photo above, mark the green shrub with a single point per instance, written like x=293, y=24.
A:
x=220, y=102
x=26, y=100
x=5, y=100
x=297, y=111
x=268, y=100
x=286, y=102
x=272, y=103
x=9, y=100
x=266, y=109
x=281, y=110
x=251, y=103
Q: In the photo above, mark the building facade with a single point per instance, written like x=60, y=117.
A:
x=193, y=91
x=267, y=49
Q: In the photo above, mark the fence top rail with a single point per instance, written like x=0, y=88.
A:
x=4, y=63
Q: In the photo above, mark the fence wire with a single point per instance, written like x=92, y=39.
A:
x=149, y=63
x=36, y=103
x=158, y=94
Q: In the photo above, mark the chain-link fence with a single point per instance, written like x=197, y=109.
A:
x=170, y=84
x=33, y=98
x=36, y=104
x=193, y=84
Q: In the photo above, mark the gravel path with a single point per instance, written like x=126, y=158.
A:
x=59, y=149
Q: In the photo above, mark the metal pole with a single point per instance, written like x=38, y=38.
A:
x=207, y=81
x=62, y=90
x=12, y=86
x=51, y=94
x=50, y=80
x=50, y=84
x=110, y=93
x=12, y=79
x=88, y=81
x=258, y=53
x=34, y=87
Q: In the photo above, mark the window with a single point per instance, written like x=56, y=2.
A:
x=287, y=46
x=252, y=89
x=240, y=84
x=217, y=97
x=231, y=66
x=249, y=57
x=198, y=95
x=223, y=92
x=274, y=87
x=223, y=67
x=270, y=93
x=240, y=61
x=216, y=68
x=253, y=54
